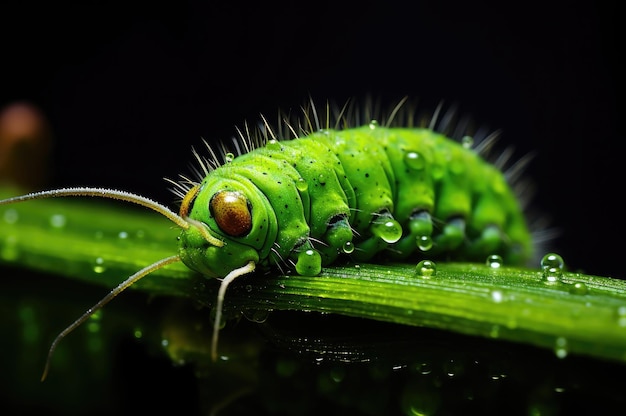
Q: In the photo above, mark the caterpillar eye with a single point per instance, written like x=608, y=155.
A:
x=231, y=212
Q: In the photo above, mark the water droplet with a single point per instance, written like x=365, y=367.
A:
x=373, y=124
x=348, y=247
x=453, y=368
x=467, y=142
x=497, y=296
x=138, y=333
x=421, y=225
x=552, y=267
x=578, y=288
x=99, y=265
x=58, y=221
x=552, y=260
x=248, y=288
x=426, y=268
x=123, y=235
x=387, y=228
x=228, y=157
x=309, y=263
x=425, y=369
x=165, y=342
x=424, y=242
x=560, y=347
x=11, y=216
x=494, y=261
x=302, y=185
x=414, y=160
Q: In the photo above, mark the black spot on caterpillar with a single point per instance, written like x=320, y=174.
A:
x=316, y=190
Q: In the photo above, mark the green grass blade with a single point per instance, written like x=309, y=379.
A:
x=578, y=313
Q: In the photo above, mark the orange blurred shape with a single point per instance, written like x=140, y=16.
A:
x=25, y=146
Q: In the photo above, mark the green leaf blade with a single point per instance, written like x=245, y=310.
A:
x=513, y=304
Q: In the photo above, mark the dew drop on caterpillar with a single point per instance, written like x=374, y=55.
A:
x=322, y=187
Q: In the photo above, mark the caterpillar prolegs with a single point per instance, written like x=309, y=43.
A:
x=304, y=196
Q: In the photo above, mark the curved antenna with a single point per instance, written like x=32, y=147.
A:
x=248, y=268
x=183, y=222
x=113, y=293
x=104, y=193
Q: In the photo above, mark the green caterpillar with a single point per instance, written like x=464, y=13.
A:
x=360, y=191
x=301, y=203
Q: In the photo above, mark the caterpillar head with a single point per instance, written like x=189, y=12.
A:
x=230, y=226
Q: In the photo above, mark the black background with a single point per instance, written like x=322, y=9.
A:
x=129, y=87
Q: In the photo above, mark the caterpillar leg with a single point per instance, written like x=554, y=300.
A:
x=308, y=261
x=487, y=226
x=385, y=230
x=338, y=238
x=490, y=241
x=420, y=230
x=452, y=235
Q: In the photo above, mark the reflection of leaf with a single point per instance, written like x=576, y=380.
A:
x=103, y=244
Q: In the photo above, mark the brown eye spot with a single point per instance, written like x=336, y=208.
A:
x=231, y=212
